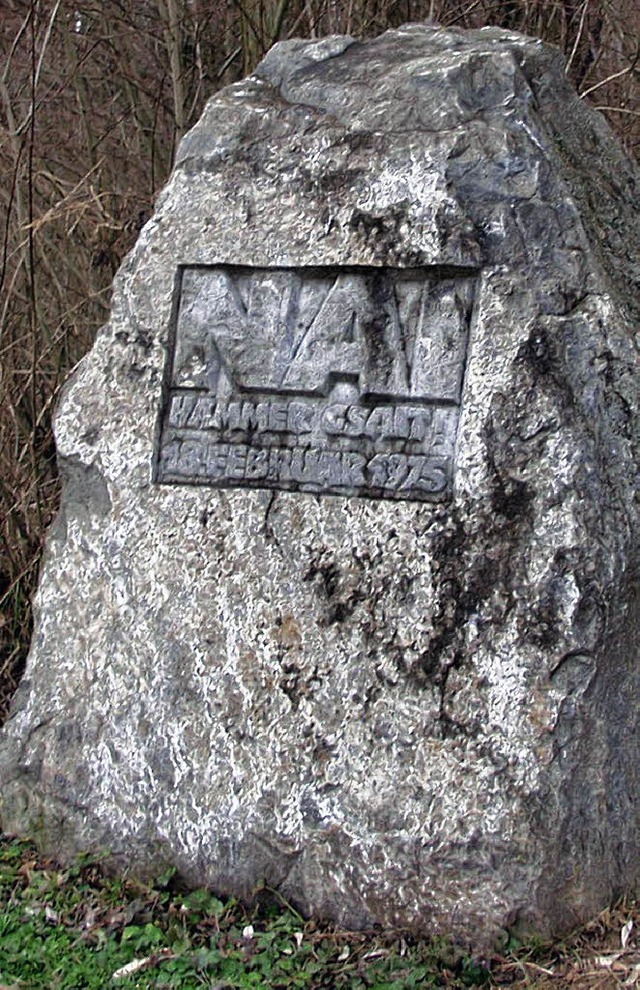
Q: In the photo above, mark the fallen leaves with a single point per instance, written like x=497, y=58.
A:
x=603, y=955
x=137, y=965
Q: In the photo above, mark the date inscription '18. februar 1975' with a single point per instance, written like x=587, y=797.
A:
x=342, y=381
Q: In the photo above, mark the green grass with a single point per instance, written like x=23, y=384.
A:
x=74, y=928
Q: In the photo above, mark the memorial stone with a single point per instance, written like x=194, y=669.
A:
x=342, y=594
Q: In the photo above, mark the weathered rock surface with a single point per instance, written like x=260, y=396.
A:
x=417, y=707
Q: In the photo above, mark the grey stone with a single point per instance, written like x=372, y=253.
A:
x=412, y=708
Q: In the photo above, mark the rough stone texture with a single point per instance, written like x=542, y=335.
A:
x=402, y=712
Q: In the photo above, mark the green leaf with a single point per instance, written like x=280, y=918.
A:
x=203, y=902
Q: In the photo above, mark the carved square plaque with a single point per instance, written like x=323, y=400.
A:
x=340, y=381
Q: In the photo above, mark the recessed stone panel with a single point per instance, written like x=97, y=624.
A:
x=334, y=381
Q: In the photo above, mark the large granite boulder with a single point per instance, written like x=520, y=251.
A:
x=342, y=596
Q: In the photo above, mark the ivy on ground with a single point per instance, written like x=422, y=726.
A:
x=78, y=928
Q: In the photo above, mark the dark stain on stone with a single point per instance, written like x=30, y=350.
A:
x=541, y=362
x=69, y=733
x=537, y=350
x=84, y=487
x=379, y=358
x=511, y=498
x=338, y=605
x=451, y=728
x=543, y=625
x=334, y=182
x=364, y=140
x=340, y=611
x=328, y=574
x=289, y=684
x=381, y=232
x=461, y=582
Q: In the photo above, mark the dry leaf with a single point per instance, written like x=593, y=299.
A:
x=137, y=964
x=626, y=932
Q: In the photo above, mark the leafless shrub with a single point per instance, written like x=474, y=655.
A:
x=94, y=96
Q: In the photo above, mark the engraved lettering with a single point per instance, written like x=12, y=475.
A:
x=421, y=420
x=329, y=467
x=276, y=380
x=257, y=464
x=355, y=465
x=240, y=416
x=380, y=422
x=416, y=467
x=401, y=427
x=356, y=420
x=278, y=417
x=304, y=466
x=217, y=460
x=433, y=477
x=171, y=457
x=205, y=415
x=236, y=466
x=397, y=470
x=377, y=471
x=262, y=412
x=300, y=417
x=180, y=407
x=284, y=466
x=191, y=460
x=333, y=419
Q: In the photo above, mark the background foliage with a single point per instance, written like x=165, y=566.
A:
x=94, y=97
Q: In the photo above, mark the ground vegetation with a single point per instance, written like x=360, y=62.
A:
x=75, y=927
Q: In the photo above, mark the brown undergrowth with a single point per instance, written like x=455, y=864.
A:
x=601, y=955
